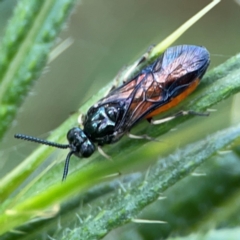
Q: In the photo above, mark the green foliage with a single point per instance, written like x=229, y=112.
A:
x=25, y=47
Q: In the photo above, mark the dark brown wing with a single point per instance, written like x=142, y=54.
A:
x=176, y=72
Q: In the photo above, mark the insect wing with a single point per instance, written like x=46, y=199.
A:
x=167, y=81
x=159, y=86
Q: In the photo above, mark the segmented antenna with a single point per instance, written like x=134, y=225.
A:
x=41, y=141
x=65, y=170
x=52, y=144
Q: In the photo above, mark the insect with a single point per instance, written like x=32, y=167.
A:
x=155, y=89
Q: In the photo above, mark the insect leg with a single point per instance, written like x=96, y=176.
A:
x=126, y=71
x=181, y=113
x=100, y=150
x=116, y=80
x=144, y=136
x=81, y=118
x=145, y=56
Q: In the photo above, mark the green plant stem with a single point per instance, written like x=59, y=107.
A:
x=124, y=207
x=25, y=47
x=219, y=234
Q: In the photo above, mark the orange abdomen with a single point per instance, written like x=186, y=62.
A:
x=176, y=100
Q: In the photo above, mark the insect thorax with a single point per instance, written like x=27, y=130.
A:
x=101, y=122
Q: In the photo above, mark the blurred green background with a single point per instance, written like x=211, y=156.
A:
x=106, y=36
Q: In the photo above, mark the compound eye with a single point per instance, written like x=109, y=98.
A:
x=75, y=135
x=79, y=143
x=112, y=113
x=71, y=135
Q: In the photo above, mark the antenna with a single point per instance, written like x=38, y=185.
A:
x=41, y=141
x=65, y=170
x=52, y=144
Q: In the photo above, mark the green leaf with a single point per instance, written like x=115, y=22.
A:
x=125, y=206
x=221, y=234
x=24, y=50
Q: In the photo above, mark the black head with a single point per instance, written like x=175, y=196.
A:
x=79, y=145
